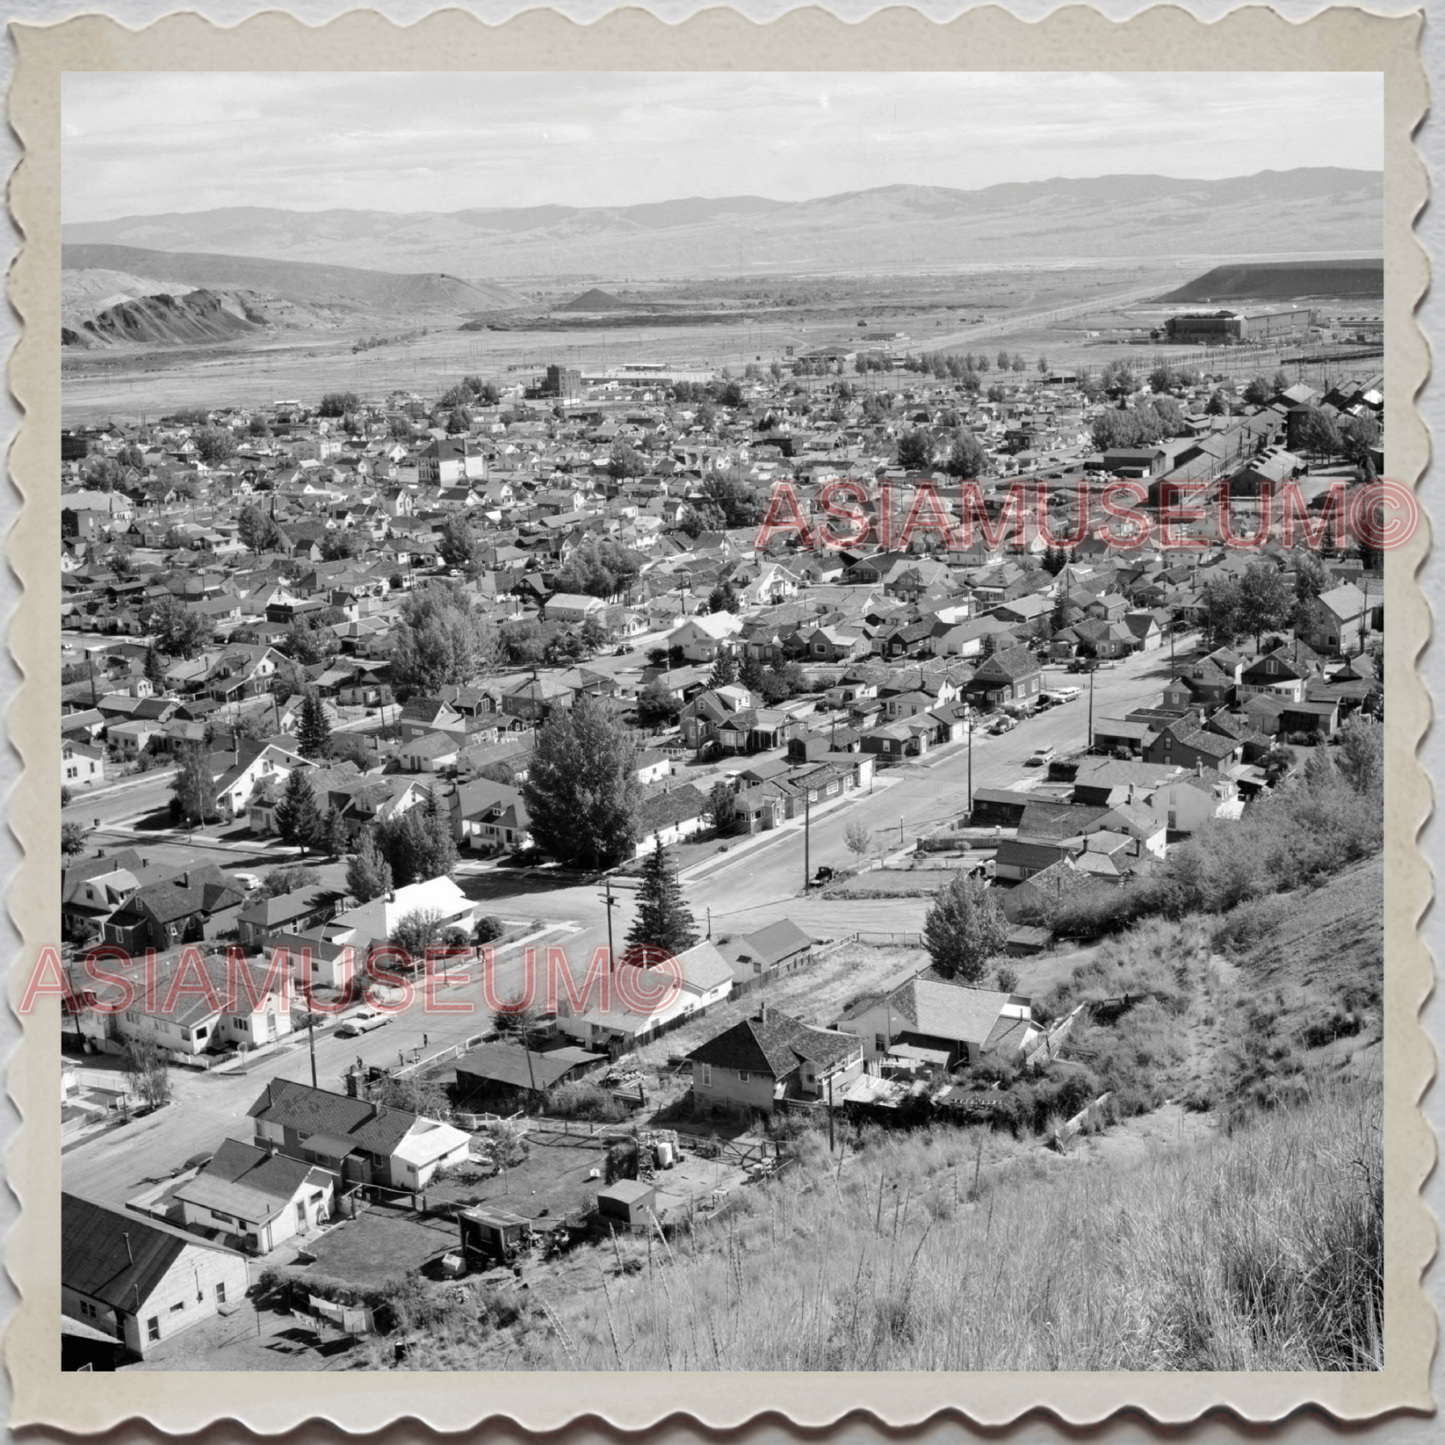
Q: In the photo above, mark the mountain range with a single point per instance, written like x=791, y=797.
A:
x=898, y=227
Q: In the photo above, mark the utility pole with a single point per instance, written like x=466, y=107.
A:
x=970, y=722
x=807, y=837
x=1091, y=708
x=311, y=1038
x=830, y=1113
x=611, y=903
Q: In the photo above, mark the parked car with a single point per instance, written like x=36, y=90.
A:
x=1003, y=725
x=249, y=881
x=1084, y=664
x=1040, y=757
x=1067, y=694
x=1046, y=700
x=362, y=1022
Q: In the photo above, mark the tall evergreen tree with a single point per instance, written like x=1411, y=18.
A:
x=314, y=733
x=582, y=790
x=298, y=819
x=724, y=670
x=664, y=922
x=155, y=670
x=333, y=833
x=368, y=875
x=750, y=673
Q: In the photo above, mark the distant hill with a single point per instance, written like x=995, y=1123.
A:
x=594, y=300
x=197, y=316
x=1286, y=281
x=300, y=281
x=1324, y=209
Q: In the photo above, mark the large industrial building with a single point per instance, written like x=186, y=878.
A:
x=1221, y=328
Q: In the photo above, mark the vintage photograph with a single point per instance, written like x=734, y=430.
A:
x=722, y=722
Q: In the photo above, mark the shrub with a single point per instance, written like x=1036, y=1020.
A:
x=489, y=929
x=582, y=1100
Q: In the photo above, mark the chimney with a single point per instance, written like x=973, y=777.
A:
x=1131, y=792
x=762, y=1013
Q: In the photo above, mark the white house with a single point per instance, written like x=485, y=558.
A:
x=257, y=1198
x=701, y=638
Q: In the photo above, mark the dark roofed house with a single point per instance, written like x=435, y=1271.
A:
x=757, y=956
x=1008, y=675
x=139, y=1280
x=508, y=1074
x=769, y=1057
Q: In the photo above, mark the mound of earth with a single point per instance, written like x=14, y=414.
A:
x=1285, y=281
x=595, y=300
x=163, y=319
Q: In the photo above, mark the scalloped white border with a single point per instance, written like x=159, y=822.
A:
x=633, y=39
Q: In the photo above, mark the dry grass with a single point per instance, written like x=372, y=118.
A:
x=1260, y=1250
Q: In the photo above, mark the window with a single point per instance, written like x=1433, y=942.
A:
x=153, y=1328
x=743, y=1076
x=880, y=1044
x=707, y=1075
x=224, y=1218
x=180, y=1304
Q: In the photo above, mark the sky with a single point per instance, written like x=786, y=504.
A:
x=139, y=144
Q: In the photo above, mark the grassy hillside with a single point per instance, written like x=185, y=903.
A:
x=1247, y=1251
x=295, y=280
x=1226, y=1213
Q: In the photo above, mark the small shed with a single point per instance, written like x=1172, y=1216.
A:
x=492, y=1235
x=629, y=1200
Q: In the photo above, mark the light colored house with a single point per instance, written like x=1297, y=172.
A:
x=80, y=765
x=770, y=1057
x=937, y=1013
x=256, y=1199
x=358, y=1141
x=702, y=638
x=140, y=1280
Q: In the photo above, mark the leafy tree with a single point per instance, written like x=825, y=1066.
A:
x=664, y=922
x=368, y=875
x=418, y=845
x=72, y=840
x=1161, y=378
x=730, y=394
x=964, y=929
x=656, y=705
x=581, y=790
x=1217, y=405
x=915, y=450
x=966, y=457
x=298, y=817
x=1019, y=364
x=338, y=403
x=1043, y=365
x=734, y=499
x=1259, y=391
x=177, y=630
x=347, y=747
x=1004, y=361
x=288, y=880
x=257, y=529
x=1280, y=381
x=314, y=732
x=146, y=1065
x=457, y=544
x=1118, y=378
x=415, y=932
x=522, y=642
x=750, y=673
x=858, y=838
x=307, y=642
x=599, y=567
x=440, y=640
x=1265, y=600
x=1359, y=438
x=625, y=461
x=1319, y=434
x=193, y=796
x=781, y=683
x=1310, y=579
x=489, y=929
x=593, y=633
x=214, y=444
x=722, y=807
x=1220, y=607
x=342, y=543
x=334, y=836
x=1362, y=754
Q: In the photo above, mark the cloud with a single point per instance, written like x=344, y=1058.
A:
x=137, y=143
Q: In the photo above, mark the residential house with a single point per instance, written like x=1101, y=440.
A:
x=769, y=1058
x=140, y=1280
x=255, y=1200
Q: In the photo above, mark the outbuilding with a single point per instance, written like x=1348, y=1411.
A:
x=628, y=1200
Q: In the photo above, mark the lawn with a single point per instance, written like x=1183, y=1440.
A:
x=382, y=1241
x=553, y=1177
